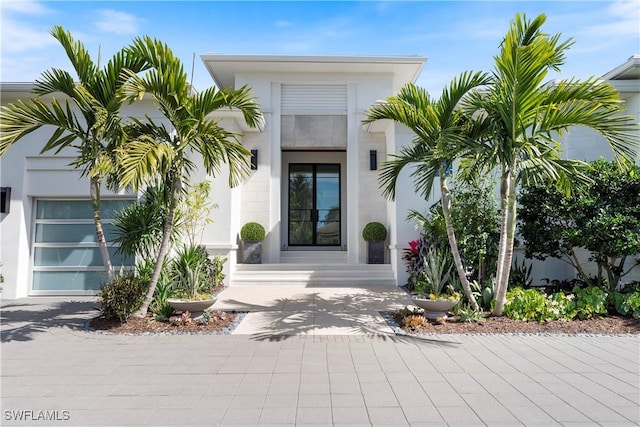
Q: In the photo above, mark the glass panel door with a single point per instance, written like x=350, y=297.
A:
x=314, y=205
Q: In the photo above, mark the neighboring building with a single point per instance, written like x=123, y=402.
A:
x=313, y=108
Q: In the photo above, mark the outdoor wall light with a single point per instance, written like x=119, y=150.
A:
x=254, y=160
x=5, y=199
x=373, y=160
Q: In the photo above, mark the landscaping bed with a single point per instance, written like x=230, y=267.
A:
x=503, y=325
x=219, y=323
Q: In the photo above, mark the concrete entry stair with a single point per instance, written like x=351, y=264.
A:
x=304, y=268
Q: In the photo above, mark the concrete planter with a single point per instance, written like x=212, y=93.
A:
x=434, y=308
x=252, y=252
x=191, y=306
x=375, y=252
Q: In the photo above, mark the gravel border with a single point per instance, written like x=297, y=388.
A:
x=240, y=315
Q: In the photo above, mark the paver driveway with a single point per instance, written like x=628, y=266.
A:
x=52, y=368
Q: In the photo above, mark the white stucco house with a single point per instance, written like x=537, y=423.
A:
x=312, y=107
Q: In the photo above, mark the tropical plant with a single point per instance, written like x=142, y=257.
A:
x=218, y=276
x=523, y=115
x=602, y=216
x=442, y=135
x=435, y=274
x=138, y=228
x=87, y=120
x=195, y=210
x=414, y=257
x=590, y=301
x=191, y=271
x=156, y=154
x=475, y=220
x=468, y=315
x=520, y=274
x=160, y=306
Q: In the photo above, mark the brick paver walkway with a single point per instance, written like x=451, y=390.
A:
x=53, y=368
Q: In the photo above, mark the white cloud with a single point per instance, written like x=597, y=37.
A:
x=24, y=6
x=622, y=19
x=19, y=36
x=113, y=21
x=283, y=24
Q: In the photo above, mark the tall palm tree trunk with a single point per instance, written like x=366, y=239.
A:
x=162, y=253
x=451, y=235
x=94, y=191
x=507, y=239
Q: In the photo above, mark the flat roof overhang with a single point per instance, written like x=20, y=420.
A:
x=630, y=70
x=223, y=68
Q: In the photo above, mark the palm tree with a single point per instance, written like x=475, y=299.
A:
x=525, y=115
x=159, y=155
x=88, y=120
x=443, y=133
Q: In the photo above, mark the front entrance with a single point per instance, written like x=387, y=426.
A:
x=314, y=204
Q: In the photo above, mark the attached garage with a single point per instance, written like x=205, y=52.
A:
x=66, y=259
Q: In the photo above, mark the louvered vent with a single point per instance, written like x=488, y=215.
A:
x=314, y=99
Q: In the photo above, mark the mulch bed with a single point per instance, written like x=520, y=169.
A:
x=223, y=323
x=218, y=324
x=503, y=325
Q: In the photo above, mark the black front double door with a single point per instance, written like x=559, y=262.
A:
x=314, y=204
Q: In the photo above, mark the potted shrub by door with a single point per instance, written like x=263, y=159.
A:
x=430, y=283
x=252, y=234
x=375, y=234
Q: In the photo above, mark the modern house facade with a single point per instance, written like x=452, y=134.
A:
x=313, y=184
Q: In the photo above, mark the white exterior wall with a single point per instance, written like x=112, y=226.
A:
x=362, y=201
x=262, y=196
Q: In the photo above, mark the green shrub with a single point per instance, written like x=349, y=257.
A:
x=590, y=301
x=561, y=306
x=252, y=232
x=374, y=232
x=192, y=271
x=121, y=298
x=160, y=304
x=626, y=304
x=218, y=266
x=526, y=304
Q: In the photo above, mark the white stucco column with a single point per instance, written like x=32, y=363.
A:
x=275, y=179
x=395, y=247
x=353, y=195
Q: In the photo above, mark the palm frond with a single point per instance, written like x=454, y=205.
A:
x=23, y=117
x=77, y=54
x=142, y=162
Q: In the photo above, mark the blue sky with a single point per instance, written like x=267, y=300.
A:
x=454, y=35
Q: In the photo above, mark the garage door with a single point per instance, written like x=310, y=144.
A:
x=66, y=258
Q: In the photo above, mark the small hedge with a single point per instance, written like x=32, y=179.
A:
x=252, y=232
x=374, y=232
x=121, y=298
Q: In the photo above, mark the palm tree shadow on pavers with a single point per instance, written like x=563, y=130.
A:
x=320, y=313
x=23, y=320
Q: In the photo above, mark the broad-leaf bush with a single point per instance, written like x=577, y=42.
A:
x=590, y=301
x=626, y=303
x=120, y=298
x=526, y=304
x=583, y=303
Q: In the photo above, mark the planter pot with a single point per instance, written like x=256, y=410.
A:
x=190, y=306
x=375, y=252
x=434, y=308
x=252, y=252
